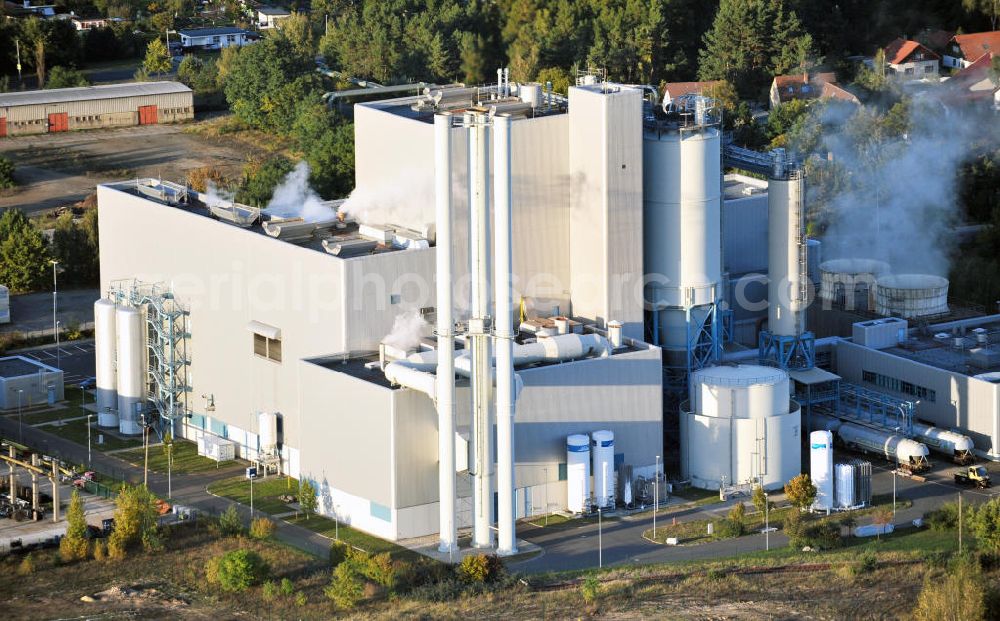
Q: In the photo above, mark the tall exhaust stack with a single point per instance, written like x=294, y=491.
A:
x=786, y=343
x=446, y=338
x=479, y=330
x=504, y=335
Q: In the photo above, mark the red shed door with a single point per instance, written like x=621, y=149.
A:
x=3, y=127
x=147, y=115
x=59, y=122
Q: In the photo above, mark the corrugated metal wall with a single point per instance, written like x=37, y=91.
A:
x=91, y=113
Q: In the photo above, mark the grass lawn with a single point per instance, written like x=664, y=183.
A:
x=76, y=431
x=368, y=543
x=698, y=496
x=186, y=458
x=49, y=416
x=265, y=492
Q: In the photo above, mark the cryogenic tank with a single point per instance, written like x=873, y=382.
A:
x=267, y=428
x=893, y=447
x=787, y=289
x=131, y=348
x=821, y=468
x=105, y=344
x=682, y=225
x=823, y=422
x=911, y=295
x=853, y=486
x=578, y=473
x=740, y=426
x=943, y=441
x=603, y=452
x=850, y=282
x=844, y=474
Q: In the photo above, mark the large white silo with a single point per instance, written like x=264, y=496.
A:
x=131, y=349
x=578, y=473
x=788, y=277
x=105, y=344
x=740, y=426
x=821, y=468
x=682, y=225
x=603, y=453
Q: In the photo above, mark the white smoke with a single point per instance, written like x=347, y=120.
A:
x=897, y=200
x=408, y=201
x=217, y=197
x=294, y=198
x=407, y=330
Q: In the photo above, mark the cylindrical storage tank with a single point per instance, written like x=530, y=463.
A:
x=530, y=93
x=850, y=282
x=823, y=422
x=267, y=429
x=131, y=350
x=561, y=324
x=603, y=453
x=787, y=277
x=814, y=250
x=911, y=295
x=682, y=227
x=892, y=446
x=615, y=333
x=578, y=473
x=845, y=476
x=944, y=441
x=821, y=468
x=740, y=427
x=105, y=345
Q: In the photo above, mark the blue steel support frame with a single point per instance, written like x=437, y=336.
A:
x=875, y=408
x=787, y=352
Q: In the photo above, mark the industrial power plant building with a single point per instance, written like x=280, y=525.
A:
x=90, y=107
x=586, y=264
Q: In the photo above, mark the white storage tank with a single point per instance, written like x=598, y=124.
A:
x=850, y=283
x=892, y=446
x=911, y=295
x=105, y=345
x=740, y=427
x=787, y=289
x=682, y=225
x=267, y=428
x=603, y=452
x=131, y=353
x=578, y=473
x=821, y=468
x=844, y=474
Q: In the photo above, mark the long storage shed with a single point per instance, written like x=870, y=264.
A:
x=89, y=107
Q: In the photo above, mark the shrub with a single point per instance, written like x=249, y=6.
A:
x=715, y=574
x=198, y=179
x=135, y=521
x=867, y=561
x=300, y=599
x=937, y=559
x=800, y=491
x=444, y=590
x=339, y=552
x=480, y=568
x=347, y=586
x=269, y=591
x=590, y=589
x=26, y=566
x=262, y=528
x=794, y=527
x=307, y=498
x=237, y=570
x=6, y=173
x=987, y=525
x=378, y=568
x=287, y=588
x=961, y=594
x=100, y=550
x=230, y=523
x=75, y=546
x=822, y=535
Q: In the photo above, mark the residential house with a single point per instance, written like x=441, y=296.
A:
x=824, y=85
x=83, y=24
x=673, y=90
x=965, y=49
x=910, y=60
x=269, y=16
x=974, y=85
x=214, y=38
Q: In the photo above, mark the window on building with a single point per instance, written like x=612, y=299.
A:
x=929, y=69
x=895, y=384
x=267, y=348
x=216, y=39
x=230, y=38
x=562, y=472
x=909, y=71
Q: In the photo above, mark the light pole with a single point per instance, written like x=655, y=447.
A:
x=55, y=296
x=656, y=493
x=88, y=439
x=893, y=493
x=170, y=466
x=58, y=353
x=600, y=540
x=767, y=523
x=20, y=420
x=545, y=477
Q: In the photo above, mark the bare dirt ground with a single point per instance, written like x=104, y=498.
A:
x=58, y=169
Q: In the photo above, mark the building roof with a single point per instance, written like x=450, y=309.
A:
x=936, y=39
x=210, y=32
x=678, y=89
x=86, y=93
x=973, y=46
x=973, y=82
x=835, y=91
x=803, y=85
x=272, y=10
x=900, y=51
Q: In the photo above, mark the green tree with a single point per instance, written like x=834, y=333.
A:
x=989, y=8
x=76, y=252
x=299, y=33
x=157, y=59
x=987, y=525
x=230, y=522
x=237, y=570
x=800, y=491
x=327, y=144
x=6, y=175
x=750, y=42
x=75, y=546
x=260, y=179
x=347, y=586
x=307, y=497
x=162, y=22
x=267, y=81
x=24, y=257
x=63, y=77
x=135, y=521
x=759, y=499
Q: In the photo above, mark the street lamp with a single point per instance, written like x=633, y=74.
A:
x=58, y=353
x=767, y=522
x=88, y=439
x=170, y=466
x=600, y=541
x=55, y=295
x=20, y=431
x=656, y=493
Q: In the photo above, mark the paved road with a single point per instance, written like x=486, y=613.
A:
x=31, y=312
x=575, y=547
x=189, y=490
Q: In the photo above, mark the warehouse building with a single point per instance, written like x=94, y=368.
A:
x=91, y=107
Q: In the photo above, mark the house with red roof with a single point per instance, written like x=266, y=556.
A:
x=824, y=85
x=911, y=60
x=965, y=49
x=974, y=85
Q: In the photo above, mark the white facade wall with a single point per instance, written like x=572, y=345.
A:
x=916, y=70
